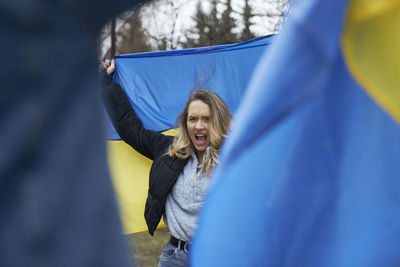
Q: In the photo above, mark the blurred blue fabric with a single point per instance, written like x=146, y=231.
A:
x=158, y=84
x=57, y=205
x=310, y=176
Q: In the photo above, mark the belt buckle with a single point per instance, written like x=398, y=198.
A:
x=185, y=247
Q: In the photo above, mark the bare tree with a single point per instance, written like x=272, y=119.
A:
x=163, y=25
x=273, y=16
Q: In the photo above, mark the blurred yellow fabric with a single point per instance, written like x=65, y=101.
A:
x=130, y=176
x=371, y=42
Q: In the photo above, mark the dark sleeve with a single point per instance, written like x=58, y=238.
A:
x=129, y=127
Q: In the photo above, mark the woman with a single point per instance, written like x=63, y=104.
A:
x=179, y=175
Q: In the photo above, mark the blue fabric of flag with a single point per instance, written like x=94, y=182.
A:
x=310, y=176
x=158, y=83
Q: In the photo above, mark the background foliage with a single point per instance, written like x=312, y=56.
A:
x=166, y=25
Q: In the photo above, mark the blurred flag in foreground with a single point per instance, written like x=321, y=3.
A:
x=158, y=85
x=311, y=175
x=57, y=204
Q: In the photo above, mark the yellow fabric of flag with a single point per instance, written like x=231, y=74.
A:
x=371, y=42
x=130, y=176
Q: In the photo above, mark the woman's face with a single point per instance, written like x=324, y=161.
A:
x=197, y=125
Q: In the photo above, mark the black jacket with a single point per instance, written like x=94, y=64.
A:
x=153, y=145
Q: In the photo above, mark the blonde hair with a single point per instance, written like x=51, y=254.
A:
x=220, y=119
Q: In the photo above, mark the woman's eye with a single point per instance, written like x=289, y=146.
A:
x=206, y=119
x=192, y=119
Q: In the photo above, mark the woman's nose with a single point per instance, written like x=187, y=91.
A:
x=198, y=125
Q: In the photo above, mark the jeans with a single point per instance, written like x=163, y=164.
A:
x=171, y=256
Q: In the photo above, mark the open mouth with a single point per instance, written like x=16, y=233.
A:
x=200, y=139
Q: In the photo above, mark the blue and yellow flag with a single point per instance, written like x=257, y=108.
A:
x=311, y=175
x=158, y=85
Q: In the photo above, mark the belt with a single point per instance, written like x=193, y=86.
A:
x=182, y=245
